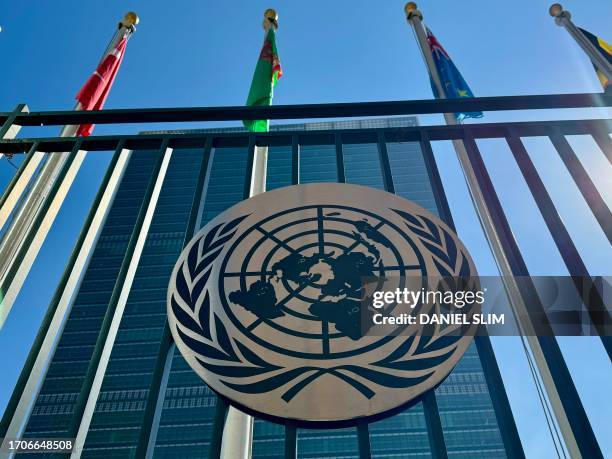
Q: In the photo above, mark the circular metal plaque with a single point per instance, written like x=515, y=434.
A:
x=266, y=303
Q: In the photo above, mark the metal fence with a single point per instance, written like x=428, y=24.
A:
x=568, y=401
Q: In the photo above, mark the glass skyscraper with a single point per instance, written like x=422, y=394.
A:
x=126, y=420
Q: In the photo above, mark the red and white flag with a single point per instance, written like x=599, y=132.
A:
x=94, y=92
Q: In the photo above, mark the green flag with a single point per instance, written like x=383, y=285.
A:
x=267, y=72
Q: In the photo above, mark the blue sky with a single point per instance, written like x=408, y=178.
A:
x=194, y=53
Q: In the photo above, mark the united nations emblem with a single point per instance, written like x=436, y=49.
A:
x=266, y=303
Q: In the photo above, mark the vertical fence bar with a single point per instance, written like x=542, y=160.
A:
x=26, y=390
x=9, y=129
x=86, y=401
x=499, y=398
x=340, y=158
x=569, y=411
x=238, y=432
x=363, y=440
x=154, y=403
x=434, y=426
x=26, y=217
x=295, y=160
x=573, y=261
x=290, y=441
x=602, y=139
x=221, y=409
x=430, y=406
x=584, y=183
x=435, y=180
x=19, y=182
x=384, y=163
x=24, y=256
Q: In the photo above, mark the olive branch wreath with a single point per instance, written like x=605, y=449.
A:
x=234, y=361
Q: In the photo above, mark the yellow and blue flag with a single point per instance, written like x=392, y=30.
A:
x=606, y=51
x=455, y=86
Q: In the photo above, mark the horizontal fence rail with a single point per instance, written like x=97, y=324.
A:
x=337, y=110
x=279, y=138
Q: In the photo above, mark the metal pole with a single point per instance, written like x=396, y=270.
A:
x=499, y=398
x=22, y=227
x=290, y=441
x=9, y=130
x=28, y=166
x=576, y=267
x=585, y=185
x=19, y=182
x=435, y=432
x=603, y=141
x=30, y=380
x=563, y=18
x=363, y=441
x=221, y=408
x=161, y=374
x=12, y=280
x=237, y=439
x=90, y=389
x=562, y=394
x=415, y=17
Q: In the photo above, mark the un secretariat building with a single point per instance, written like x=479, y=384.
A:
x=148, y=400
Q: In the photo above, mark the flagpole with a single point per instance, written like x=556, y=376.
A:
x=563, y=18
x=237, y=441
x=13, y=268
x=415, y=17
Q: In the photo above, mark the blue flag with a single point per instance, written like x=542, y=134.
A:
x=455, y=86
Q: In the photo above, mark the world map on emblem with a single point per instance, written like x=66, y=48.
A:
x=266, y=303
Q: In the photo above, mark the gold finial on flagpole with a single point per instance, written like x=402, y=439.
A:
x=129, y=21
x=600, y=59
x=132, y=18
x=411, y=10
x=270, y=17
x=555, y=9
